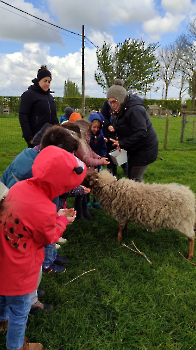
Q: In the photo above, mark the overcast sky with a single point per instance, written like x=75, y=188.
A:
x=26, y=43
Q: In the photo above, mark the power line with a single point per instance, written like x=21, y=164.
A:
x=40, y=19
x=57, y=31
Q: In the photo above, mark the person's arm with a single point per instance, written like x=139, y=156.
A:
x=53, y=108
x=26, y=105
x=90, y=158
x=137, y=122
x=51, y=229
x=103, y=147
x=79, y=190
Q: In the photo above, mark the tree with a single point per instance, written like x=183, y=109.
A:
x=71, y=89
x=191, y=62
x=182, y=46
x=130, y=61
x=187, y=64
x=169, y=57
x=192, y=89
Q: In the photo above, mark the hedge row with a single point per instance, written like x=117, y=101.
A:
x=13, y=102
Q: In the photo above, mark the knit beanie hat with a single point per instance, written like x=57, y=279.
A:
x=117, y=91
x=43, y=72
x=74, y=116
x=95, y=116
x=68, y=112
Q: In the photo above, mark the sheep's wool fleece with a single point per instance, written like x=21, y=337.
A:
x=153, y=206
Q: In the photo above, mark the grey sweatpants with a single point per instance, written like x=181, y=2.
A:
x=33, y=295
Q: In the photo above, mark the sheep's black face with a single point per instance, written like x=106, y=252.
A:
x=85, y=182
x=89, y=180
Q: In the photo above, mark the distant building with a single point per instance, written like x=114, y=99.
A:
x=6, y=110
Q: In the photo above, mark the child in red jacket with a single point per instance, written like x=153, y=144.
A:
x=25, y=227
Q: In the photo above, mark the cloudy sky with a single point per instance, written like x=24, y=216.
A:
x=26, y=42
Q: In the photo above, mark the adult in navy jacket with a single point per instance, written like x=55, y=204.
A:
x=37, y=106
x=134, y=130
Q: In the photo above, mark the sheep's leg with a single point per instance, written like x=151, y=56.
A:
x=120, y=229
x=191, y=248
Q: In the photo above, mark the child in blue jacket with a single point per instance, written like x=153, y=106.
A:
x=97, y=142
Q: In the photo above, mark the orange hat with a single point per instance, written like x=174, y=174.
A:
x=74, y=116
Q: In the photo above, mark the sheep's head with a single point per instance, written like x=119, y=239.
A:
x=96, y=181
x=90, y=179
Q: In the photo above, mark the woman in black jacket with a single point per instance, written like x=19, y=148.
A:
x=37, y=106
x=134, y=130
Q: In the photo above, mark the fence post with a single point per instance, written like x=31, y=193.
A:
x=193, y=135
x=183, y=126
x=166, y=133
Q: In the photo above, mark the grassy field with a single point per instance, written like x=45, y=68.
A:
x=123, y=303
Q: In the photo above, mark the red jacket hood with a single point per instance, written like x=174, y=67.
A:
x=53, y=171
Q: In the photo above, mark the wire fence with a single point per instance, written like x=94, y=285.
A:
x=12, y=143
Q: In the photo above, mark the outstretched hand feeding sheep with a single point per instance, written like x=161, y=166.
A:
x=153, y=206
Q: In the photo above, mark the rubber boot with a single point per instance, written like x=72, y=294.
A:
x=85, y=211
x=78, y=207
x=30, y=346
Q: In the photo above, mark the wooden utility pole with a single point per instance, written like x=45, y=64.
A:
x=166, y=133
x=83, y=84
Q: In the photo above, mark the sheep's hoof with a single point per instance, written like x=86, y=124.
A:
x=190, y=257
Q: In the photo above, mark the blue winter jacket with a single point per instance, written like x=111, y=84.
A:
x=97, y=141
x=20, y=168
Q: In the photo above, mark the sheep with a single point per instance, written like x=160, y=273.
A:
x=153, y=206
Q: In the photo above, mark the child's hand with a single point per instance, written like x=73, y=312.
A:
x=106, y=140
x=110, y=128
x=69, y=213
x=105, y=161
x=86, y=189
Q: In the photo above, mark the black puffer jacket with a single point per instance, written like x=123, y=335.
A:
x=135, y=132
x=106, y=112
x=37, y=107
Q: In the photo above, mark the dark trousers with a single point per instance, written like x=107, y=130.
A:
x=30, y=145
x=136, y=172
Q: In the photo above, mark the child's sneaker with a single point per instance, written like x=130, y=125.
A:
x=62, y=240
x=96, y=205
x=89, y=206
x=57, y=246
x=38, y=306
x=40, y=292
x=54, y=269
x=60, y=260
x=31, y=346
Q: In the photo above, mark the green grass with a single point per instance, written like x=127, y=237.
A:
x=126, y=303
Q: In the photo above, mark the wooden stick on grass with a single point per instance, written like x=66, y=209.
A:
x=79, y=276
x=137, y=251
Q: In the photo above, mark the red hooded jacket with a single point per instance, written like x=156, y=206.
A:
x=31, y=220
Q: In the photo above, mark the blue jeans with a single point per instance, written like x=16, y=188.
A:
x=50, y=254
x=16, y=309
